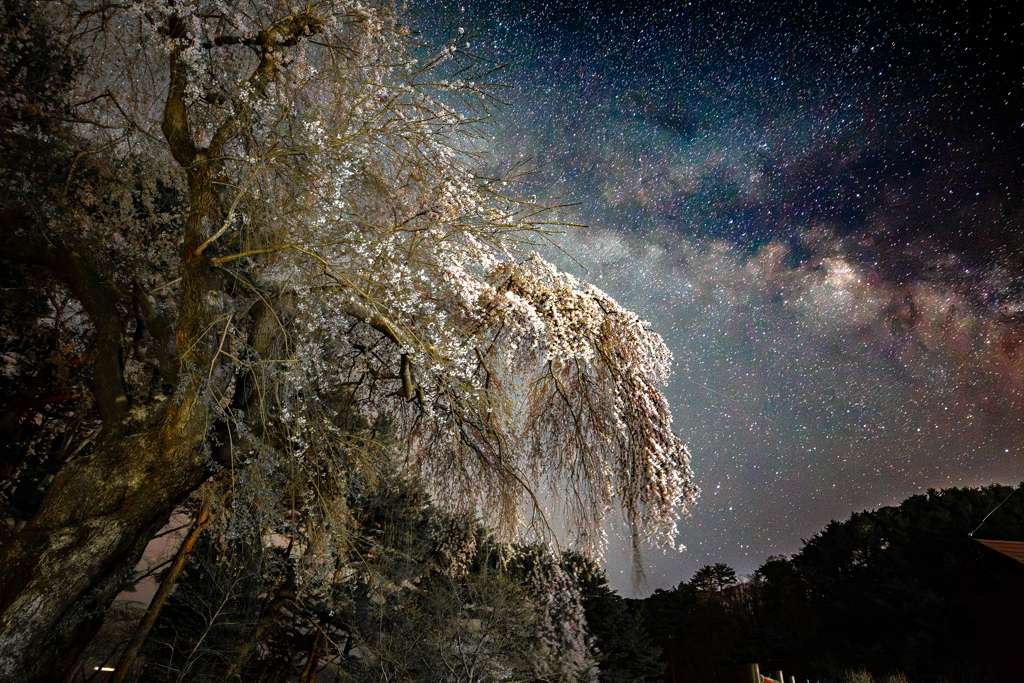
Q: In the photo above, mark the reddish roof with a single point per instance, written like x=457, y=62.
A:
x=1012, y=549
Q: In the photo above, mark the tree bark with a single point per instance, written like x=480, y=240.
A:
x=68, y=562
x=63, y=569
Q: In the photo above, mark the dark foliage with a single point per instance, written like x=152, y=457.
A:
x=714, y=578
x=873, y=592
x=623, y=645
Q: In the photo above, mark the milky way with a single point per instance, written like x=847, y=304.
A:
x=821, y=210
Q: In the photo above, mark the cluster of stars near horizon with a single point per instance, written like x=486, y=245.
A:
x=820, y=208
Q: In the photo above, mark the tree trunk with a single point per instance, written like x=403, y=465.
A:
x=69, y=562
x=64, y=568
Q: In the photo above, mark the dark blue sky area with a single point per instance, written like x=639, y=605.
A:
x=820, y=207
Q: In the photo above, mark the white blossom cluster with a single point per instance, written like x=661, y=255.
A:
x=566, y=650
x=402, y=287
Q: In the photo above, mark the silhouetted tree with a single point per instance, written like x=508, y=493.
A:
x=620, y=639
x=868, y=593
x=714, y=578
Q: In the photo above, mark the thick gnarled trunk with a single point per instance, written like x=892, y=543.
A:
x=67, y=563
x=62, y=570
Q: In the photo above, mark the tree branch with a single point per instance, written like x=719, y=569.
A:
x=124, y=666
x=175, y=122
x=68, y=266
x=282, y=33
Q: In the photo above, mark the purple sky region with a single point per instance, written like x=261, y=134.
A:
x=820, y=207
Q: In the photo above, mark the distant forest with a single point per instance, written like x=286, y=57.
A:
x=883, y=594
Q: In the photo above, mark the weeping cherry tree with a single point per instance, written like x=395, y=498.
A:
x=238, y=236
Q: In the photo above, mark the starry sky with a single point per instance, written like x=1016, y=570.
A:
x=820, y=207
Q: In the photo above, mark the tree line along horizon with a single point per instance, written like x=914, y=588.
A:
x=717, y=576
x=878, y=593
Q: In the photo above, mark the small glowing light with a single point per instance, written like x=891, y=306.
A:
x=103, y=668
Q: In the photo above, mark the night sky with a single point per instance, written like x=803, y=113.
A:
x=820, y=207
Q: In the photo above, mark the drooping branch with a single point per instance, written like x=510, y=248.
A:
x=360, y=307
